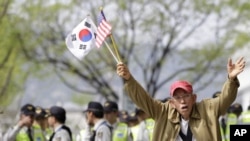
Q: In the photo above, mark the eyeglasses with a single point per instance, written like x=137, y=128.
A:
x=184, y=97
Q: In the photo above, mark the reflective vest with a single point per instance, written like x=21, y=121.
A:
x=82, y=135
x=222, y=134
x=135, y=131
x=48, y=132
x=120, y=133
x=222, y=131
x=38, y=133
x=22, y=136
x=150, y=123
x=231, y=120
x=245, y=117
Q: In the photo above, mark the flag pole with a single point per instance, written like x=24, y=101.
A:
x=111, y=52
x=112, y=39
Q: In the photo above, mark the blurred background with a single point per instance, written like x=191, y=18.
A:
x=161, y=41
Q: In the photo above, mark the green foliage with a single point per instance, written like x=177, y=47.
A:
x=12, y=71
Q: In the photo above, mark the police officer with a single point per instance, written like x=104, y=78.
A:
x=123, y=115
x=23, y=130
x=95, y=118
x=120, y=130
x=47, y=130
x=133, y=123
x=56, y=120
x=222, y=119
x=38, y=125
x=231, y=119
x=245, y=116
x=146, y=126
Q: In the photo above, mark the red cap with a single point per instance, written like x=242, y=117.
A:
x=181, y=84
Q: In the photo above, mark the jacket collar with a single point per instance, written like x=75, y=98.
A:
x=175, y=117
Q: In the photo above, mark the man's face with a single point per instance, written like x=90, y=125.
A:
x=111, y=116
x=183, y=102
x=27, y=119
x=51, y=121
x=89, y=117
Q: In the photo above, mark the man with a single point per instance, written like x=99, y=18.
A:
x=123, y=115
x=56, y=120
x=23, y=130
x=120, y=130
x=38, y=124
x=245, y=116
x=181, y=118
x=146, y=126
x=101, y=131
x=222, y=120
x=232, y=118
x=134, y=125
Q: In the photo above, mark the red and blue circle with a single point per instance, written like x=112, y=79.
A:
x=85, y=35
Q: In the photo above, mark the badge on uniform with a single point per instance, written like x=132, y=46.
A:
x=99, y=135
x=58, y=139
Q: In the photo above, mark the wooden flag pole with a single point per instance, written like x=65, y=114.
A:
x=112, y=40
x=115, y=47
x=111, y=52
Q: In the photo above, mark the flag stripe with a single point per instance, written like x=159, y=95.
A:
x=103, y=29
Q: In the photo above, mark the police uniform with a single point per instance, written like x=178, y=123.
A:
x=39, y=133
x=102, y=131
x=18, y=133
x=47, y=131
x=232, y=118
x=84, y=134
x=121, y=132
x=245, y=116
x=61, y=131
x=222, y=121
x=134, y=126
x=146, y=126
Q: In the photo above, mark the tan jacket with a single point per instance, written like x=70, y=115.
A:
x=204, y=117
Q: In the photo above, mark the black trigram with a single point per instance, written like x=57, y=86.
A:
x=82, y=46
x=87, y=24
x=95, y=35
x=73, y=37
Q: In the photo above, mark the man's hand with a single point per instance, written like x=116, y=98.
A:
x=24, y=121
x=122, y=71
x=235, y=69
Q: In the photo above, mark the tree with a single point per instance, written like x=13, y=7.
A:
x=161, y=41
x=11, y=61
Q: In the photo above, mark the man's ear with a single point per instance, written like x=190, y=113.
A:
x=171, y=102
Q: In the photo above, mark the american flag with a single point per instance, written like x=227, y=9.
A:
x=103, y=29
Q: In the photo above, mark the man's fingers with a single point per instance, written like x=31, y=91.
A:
x=240, y=60
x=229, y=61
